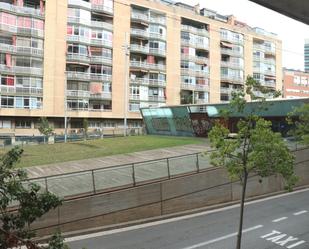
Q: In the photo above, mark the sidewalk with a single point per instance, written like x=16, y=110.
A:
x=101, y=162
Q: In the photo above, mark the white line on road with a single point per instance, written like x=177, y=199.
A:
x=155, y=223
x=222, y=238
x=279, y=219
x=301, y=212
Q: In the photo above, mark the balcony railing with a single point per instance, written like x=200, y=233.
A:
x=78, y=93
x=201, y=101
x=232, y=78
x=71, y=75
x=134, y=97
x=21, y=9
x=101, y=60
x=103, y=25
x=231, y=65
x=21, y=70
x=105, y=77
x=139, y=16
x=264, y=48
x=80, y=3
x=158, y=20
x=157, y=36
x=77, y=38
x=195, y=44
x=8, y=28
x=100, y=42
x=78, y=57
x=156, y=98
x=21, y=50
x=21, y=90
x=147, y=81
x=103, y=95
x=232, y=52
x=194, y=87
x=140, y=33
x=140, y=64
x=193, y=72
x=30, y=31
x=198, y=59
x=229, y=90
x=157, y=51
x=139, y=48
x=102, y=8
x=231, y=39
x=202, y=32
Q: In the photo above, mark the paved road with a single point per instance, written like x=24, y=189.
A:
x=272, y=223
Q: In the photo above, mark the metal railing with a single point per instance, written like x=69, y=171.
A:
x=195, y=87
x=21, y=90
x=21, y=9
x=194, y=30
x=122, y=176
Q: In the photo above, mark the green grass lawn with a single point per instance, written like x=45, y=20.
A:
x=55, y=153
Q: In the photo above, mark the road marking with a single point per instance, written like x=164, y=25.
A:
x=170, y=220
x=301, y=212
x=222, y=238
x=279, y=219
x=276, y=237
x=296, y=244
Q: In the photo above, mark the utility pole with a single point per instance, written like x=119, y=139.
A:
x=126, y=48
x=65, y=112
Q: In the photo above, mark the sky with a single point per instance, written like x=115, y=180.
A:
x=291, y=32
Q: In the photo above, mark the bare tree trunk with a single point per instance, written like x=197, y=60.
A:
x=242, y=203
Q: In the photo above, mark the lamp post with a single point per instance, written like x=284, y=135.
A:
x=126, y=48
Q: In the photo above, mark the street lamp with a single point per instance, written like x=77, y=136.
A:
x=126, y=48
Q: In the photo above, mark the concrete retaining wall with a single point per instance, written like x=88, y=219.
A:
x=188, y=192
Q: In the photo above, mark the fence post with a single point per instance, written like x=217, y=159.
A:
x=133, y=175
x=93, y=182
x=197, y=163
x=168, y=168
x=46, y=185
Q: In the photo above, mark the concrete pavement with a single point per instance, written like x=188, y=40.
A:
x=272, y=223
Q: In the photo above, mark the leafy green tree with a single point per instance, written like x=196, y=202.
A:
x=28, y=200
x=85, y=128
x=300, y=119
x=44, y=127
x=256, y=149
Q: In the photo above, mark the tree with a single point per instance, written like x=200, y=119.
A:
x=256, y=149
x=29, y=200
x=44, y=127
x=300, y=119
x=85, y=128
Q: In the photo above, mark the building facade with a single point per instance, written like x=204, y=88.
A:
x=295, y=84
x=103, y=60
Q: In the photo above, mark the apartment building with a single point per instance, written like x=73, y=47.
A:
x=295, y=84
x=104, y=59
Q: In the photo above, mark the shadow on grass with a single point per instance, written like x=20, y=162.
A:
x=92, y=146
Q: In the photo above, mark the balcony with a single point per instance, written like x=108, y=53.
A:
x=265, y=49
x=231, y=39
x=157, y=36
x=78, y=58
x=197, y=31
x=140, y=33
x=101, y=60
x=201, y=101
x=100, y=42
x=157, y=51
x=157, y=82
x=78, y=39
x=100, y=77
x=21, y=90
x=80, y=76
x=232, y=52
x=8, y=28
x=232, y=78
x=21, y=70
x=139, y=48
x=21, y=10
x=194, y=58
x=147, y=81
x=270, y=72
x=158, y=20
x=78, y=20
x=30, y=31
x=102, y=8
x=103, y=95
x=102, y=25
x=156, y=98
x=139, y=16
x=194, y=72
x=21, y=50
x=195, y=87
x=134, y=97
x=80, y=3
x=231, y=65
x=270, y=61
x=78, y=93
x=198, y=45
x=149, y=66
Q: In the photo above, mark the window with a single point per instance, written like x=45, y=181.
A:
x=22, y=124
x=7, y=101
